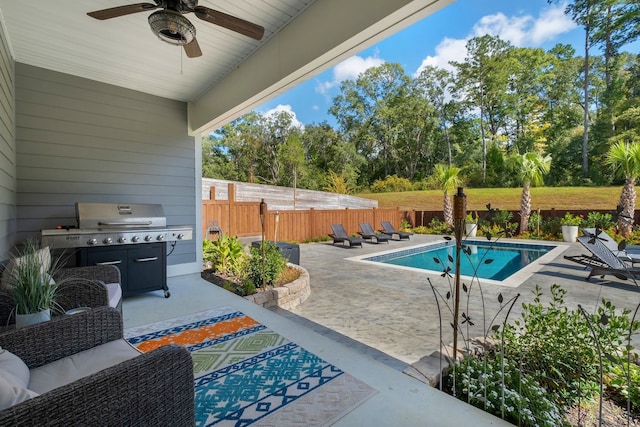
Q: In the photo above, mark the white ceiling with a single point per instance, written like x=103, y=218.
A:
x=234, y=74
x=58, y=35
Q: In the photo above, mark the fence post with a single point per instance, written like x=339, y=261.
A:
x=312, y=224
x=212, y=193
x=232, y=209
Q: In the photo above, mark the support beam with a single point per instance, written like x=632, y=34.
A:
x=326, y=33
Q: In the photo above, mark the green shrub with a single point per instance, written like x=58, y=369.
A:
x=603, y=221
x=273, y=263
x=226, y=255
x=624, y=384
x=392, y=183
x=437, y=226
x=556, y=345
x=479, y=382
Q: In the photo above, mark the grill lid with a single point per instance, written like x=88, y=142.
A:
x=119, y=216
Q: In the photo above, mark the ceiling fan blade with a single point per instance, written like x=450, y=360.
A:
x=114, y=12
x=232, y=23
x=192, y=49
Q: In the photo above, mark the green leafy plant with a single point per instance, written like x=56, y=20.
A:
x=485, y=382
x=391, y=183
x=226, y=255
x=30, y=279
x=266, y=272
x=569, y=219
x=623, y=382
x=555, y=344
x=603, y=221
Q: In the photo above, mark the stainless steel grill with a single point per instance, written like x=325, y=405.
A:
x=132, y=237
x=108, y=224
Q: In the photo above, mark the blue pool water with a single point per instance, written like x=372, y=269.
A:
x=508, y=258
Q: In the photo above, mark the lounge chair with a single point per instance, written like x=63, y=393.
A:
x=602, y=261
x=630, y=253
x=389, y=229
x=368, y=233
x=340, y=235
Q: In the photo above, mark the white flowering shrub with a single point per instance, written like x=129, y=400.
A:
x=515, y=397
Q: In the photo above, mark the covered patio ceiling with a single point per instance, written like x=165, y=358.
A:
x=234, y=74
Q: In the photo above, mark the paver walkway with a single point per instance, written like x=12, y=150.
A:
x=391, y=313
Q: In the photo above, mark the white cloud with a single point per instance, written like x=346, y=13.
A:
x=518, y=30
x=284, y=108
x=552, y=22
x=350, y=68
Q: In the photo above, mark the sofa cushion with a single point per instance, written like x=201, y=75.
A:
x=79, y=365
x=12, y=394
x=13, y=369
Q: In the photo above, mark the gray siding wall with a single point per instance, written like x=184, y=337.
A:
x=8, y=179
x=83, y=141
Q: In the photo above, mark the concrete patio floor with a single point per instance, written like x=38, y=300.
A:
x=373, y=322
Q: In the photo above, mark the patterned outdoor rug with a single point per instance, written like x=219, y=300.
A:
x=246, y=374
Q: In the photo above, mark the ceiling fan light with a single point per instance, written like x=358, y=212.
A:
x=172, y=27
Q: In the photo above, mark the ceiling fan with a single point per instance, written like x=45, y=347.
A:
x=171, y=27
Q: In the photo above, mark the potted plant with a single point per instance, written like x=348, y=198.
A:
x=570, y=224
x=471, y=224
x=30, y=284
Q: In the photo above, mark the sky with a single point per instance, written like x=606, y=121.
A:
x=436, y=40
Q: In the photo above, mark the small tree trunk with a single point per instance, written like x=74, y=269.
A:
x=525, y=207
x=628, y=204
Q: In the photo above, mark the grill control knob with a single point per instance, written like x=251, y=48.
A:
x=134, y=239
x=147, y=238
x=107, y=240
x=180, y=236
x=160, y=237
x=92, y=242
x=122, y=240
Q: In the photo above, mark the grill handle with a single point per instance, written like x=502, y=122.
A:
x=109, y=262
x=153, y=258
x=124, y=224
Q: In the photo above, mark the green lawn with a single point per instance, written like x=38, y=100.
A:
x=578, y=198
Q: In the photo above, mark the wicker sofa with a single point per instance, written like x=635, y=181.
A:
x=78, y=287
x=154, y=388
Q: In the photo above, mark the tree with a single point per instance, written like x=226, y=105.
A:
x=448, y=179
x=581, y=11
x=366, y=113
x=531, y=168
x=482, y=80
x=625, y=160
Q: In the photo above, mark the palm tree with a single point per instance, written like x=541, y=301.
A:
x=531, y=168
x=625, y=160
x=448, y=180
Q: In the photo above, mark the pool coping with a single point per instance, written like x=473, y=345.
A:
x=513, y=281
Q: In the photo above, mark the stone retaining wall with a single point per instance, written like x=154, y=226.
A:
x=287, y=296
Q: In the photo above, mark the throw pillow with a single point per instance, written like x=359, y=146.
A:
x=14, y=369
x=43, y=254
x=11, y=394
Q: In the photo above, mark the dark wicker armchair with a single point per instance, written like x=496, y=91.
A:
x=154, y=389
x=77, y=287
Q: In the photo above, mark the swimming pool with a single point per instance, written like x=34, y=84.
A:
x=508, y=259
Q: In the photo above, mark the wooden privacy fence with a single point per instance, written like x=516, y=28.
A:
x=423, y=218
x=242, y=219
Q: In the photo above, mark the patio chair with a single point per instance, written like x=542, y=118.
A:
x=390, y=229
x=602, y=261
x=340, y=235
x=78, y=370
x=368, y=233
x=629, y=253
